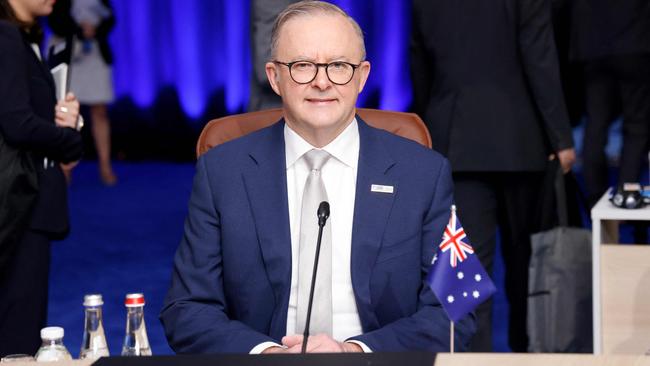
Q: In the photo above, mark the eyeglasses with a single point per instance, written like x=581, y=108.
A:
x=304, y=72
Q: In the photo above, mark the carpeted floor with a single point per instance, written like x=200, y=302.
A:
x=123, y=239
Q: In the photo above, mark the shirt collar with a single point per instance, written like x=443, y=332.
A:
x=345, y=147
x=37, y=51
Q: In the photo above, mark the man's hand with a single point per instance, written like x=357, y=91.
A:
x=567, y=158
x=274, y=349
x=320, y=343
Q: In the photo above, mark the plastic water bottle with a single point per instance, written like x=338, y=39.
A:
x=136, y=342
x=52, y=348
x=94, y=340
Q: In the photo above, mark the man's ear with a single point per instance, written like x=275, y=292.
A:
x=364, y=71
x=274, y=76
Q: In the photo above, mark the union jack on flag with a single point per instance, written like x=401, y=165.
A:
x=460, y=281
x=452, y=240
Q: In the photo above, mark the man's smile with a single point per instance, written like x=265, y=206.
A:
x=321, y=101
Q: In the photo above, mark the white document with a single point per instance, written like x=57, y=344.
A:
x=60, y=75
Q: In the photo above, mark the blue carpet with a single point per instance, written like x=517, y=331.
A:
x=123, y=240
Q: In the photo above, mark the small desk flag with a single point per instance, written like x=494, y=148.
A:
x=456, y=275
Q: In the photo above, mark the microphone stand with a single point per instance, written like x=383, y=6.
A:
x=323, y=214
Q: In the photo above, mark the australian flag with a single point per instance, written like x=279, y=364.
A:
x=456, y=276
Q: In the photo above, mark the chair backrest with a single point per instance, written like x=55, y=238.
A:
x=220, y=130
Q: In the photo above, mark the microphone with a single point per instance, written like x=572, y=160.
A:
x=323, y=214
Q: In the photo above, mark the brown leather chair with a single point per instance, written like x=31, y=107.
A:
x=224, y=129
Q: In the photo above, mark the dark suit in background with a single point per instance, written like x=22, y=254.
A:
x=27, y=101
x=486, y=82
x=263, y=14
x=612, y=40
x=571, y=73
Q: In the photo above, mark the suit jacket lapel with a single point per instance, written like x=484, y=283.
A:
x=371, y=213
x=266, y=185
x=40, y=62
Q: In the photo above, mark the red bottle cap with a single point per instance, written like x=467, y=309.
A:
x=134, y=300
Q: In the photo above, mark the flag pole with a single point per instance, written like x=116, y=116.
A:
x=451, y=337
x=451, y=323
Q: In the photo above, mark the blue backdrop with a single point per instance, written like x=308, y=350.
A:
x=200, y=48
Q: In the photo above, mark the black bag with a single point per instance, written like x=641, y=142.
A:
x=559, y=283
x=18, y=191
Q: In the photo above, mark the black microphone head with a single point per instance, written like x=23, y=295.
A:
x=323, y=213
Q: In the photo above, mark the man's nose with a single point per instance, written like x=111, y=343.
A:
x=321, y=81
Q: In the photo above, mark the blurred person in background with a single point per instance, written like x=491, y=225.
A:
x=612, y=41
x=42, y=130
x=570, y=72
x=87, y=24
x=486, y=83
x=263, y=14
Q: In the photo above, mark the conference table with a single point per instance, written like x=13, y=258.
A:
x=387, y=359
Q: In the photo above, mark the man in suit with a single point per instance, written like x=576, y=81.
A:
x=263, y=14
x=237, y=284
x=611, y=40
x=486, y=82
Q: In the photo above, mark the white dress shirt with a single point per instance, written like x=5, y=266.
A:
x=340, y=178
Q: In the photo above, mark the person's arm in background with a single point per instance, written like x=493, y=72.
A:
x=422, y=64
x=539, y=57
x=106, y=25
x=61, y=21
x=19, y=125
x=101, y=32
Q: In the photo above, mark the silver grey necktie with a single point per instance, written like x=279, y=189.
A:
x=313, y=195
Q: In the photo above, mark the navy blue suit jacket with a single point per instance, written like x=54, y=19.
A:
x=232, y=271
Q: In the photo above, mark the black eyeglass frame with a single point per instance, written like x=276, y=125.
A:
x=319, y=65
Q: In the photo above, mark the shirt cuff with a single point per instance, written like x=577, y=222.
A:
x=263, y=346
x=363, y=346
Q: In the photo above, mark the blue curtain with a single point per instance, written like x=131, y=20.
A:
x=200, y=48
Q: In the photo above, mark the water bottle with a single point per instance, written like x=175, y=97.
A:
x=52, y=348
x=94, y=340
x=136, y=342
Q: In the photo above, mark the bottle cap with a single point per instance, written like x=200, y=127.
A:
x=93, y=300
x=133, y=300
x=51, y=333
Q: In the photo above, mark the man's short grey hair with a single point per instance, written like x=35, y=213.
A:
x=311, y=7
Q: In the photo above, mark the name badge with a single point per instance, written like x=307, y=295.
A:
x=381, y=189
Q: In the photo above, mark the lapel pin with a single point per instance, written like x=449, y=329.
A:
x=381, y=189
